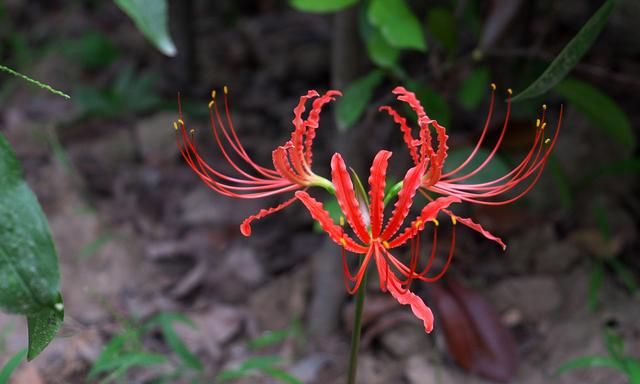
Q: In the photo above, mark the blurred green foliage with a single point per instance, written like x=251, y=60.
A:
x=617, y=359
x=125, y=351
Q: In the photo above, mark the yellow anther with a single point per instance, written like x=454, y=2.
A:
x=211, y=103
x=544, y=106
x=226, y=90
x=543, y=125
x=537, y=122
x=342, y=221
x=181, y=122
x=386, y=244
x=213, y=94
x=343, y=242
x=192, y=131
x=547, y=141
x=436, y=222
x=175, y=125
x=509, y=91
x=418, y=223
x=453, y=220
x=493, y=86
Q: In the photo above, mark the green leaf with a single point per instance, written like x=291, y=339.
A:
x=165, y=321
x=496, y=167
x=281, y=375
x=29, y=276
x=93, y=50
x=277, y=336
x=588, y=362
x=595, y=283
x=603, y=111
x=119, y=365
x=614, y=344
x=397, y=23
x=632, y=367
x=356, y=97
x=34, y=81
x=441, y=23
x=435, y=106
x=43, y=326
x=150, y=17
x=474, y=88
x=321, y=6
x=624, y=275
x=251, y=364
x=380, y=51
x=118, y=345
x=570, y=54
x=11, y=366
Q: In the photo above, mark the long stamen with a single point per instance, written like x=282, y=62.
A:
x=482, y=135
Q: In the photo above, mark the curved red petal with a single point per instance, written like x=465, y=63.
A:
x=313, y=121
x=477, y=227
x=429, y=212
x=410, y=185
x=404, y=297
x=245, y=227
x=405, y=129
x=346, y=197
x=283, y=166
x=335, y=232
x=377, y=182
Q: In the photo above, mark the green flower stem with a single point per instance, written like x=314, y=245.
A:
x=393, y=192
x=324, y=183
x=357, y=328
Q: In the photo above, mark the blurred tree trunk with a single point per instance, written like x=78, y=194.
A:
x=328, y=286
x=182, y=19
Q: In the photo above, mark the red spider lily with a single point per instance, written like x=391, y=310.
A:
x=291, y=162
x=376, y=241
x=493, y=192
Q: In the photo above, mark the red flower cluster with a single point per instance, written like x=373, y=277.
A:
x=365, y=214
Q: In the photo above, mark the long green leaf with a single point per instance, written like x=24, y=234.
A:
x=173, y=340
x=595, y=283
x=121, y=364
x=602, y=110
x=632, y=367
x=570, y=54
x=588, y=362
x=356, y=97
x=614, y=343
x=150, y=16
x=34, y=82
x=321, y=6
x=397, y=23
x=282, y=376
x=11, y=366
x=624, y=274
x=29, y=276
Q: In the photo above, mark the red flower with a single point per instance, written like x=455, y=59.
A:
x=493, y=192
x=291, y=162
x=376, y=241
